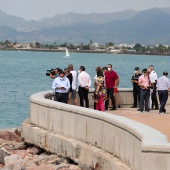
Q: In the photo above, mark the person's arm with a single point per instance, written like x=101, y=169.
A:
x=52, y=76
x=116, y=83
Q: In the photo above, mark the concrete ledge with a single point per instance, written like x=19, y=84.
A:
x=134, y=144
x=76, y=150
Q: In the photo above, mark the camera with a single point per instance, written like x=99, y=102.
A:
x=52, y=71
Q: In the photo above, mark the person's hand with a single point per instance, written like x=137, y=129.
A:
x=63, y=88
x=87, y=87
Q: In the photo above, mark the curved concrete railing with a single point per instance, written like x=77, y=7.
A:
x=93, y=137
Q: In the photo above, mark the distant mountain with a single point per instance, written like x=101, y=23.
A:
x=147, y=27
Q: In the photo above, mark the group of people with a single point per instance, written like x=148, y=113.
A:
x=105, y=81
x=145, y=87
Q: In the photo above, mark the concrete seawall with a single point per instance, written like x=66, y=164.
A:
x=93, y=137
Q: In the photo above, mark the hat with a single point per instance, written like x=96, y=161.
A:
x=144, y=70
x=136, y=68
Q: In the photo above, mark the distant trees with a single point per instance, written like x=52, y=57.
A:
x=138, y=48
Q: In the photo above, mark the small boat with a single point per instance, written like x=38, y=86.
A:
x=67, y=54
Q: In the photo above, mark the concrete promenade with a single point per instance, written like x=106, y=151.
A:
x=152, y=119
x=124, y=139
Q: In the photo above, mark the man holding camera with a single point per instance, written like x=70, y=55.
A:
x=55, y=73
x=61, y=85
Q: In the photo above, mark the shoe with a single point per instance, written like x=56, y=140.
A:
x=142, y=111
x=164, y=110
x=156, y=108
x=134, y=107
x=161, y=113
x=147, y=111
x=105, y=108
x=113, y=108
x=138, y=109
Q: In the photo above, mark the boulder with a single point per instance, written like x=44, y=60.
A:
x=6, y=135
x=3, y=154
x=74, y=167
x=12, y=159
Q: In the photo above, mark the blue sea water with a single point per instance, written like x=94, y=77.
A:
x=23, y=74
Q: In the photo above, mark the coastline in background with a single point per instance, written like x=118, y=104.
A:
x=23, y=74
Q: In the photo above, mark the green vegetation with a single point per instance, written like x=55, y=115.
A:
x=108, y=47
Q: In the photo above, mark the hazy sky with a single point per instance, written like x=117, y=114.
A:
x=37, y=9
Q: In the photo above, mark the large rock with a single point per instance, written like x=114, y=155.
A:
x=34, y=150
x=42, y=167
x=12, y=159
x=3, y=154
x=6, y=135
x=73, y=167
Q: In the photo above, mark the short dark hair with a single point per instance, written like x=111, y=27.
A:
x=66, y=70
x=165, y=73
x=110, y=65
x=104, y=68
x=70, y=66
x=61, y=72
x=58, y=69
x=82, y=68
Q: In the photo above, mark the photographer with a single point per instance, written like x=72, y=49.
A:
x=61, y=85
x=54, y=73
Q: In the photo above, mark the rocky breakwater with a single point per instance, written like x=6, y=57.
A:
x=15, y=154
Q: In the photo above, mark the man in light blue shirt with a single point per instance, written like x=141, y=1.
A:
x=61, y=85
x=163, y=84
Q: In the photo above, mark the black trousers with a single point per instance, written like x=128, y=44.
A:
x=154, y=97
x=83, y=94
x=163, y=97
x=110, y=93
x=61, y=97
x=136, y=95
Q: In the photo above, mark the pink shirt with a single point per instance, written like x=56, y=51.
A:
x=144, y=80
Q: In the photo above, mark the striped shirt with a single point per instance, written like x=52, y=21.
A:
x=163, y=83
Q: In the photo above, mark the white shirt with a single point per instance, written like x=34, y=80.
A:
x=84, y=79
x=163, y=83
x=74, y=81
x=61, y=83
x=153, y=76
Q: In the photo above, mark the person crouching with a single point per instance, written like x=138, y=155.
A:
x=61, y=85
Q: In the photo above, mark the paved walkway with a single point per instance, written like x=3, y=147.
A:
x=153, y=119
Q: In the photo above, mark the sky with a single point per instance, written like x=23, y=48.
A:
x=38, y=9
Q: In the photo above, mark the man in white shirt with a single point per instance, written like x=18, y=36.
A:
x=163, y=85
x=84, y=81
x=153, y=80
x=74, y=81
x=61, y=85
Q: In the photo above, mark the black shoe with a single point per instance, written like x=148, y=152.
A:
x=164, y=110
x=138, y=109
x=156, y=108
x=134, y=107
x=105, y=108
x=113, y=108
